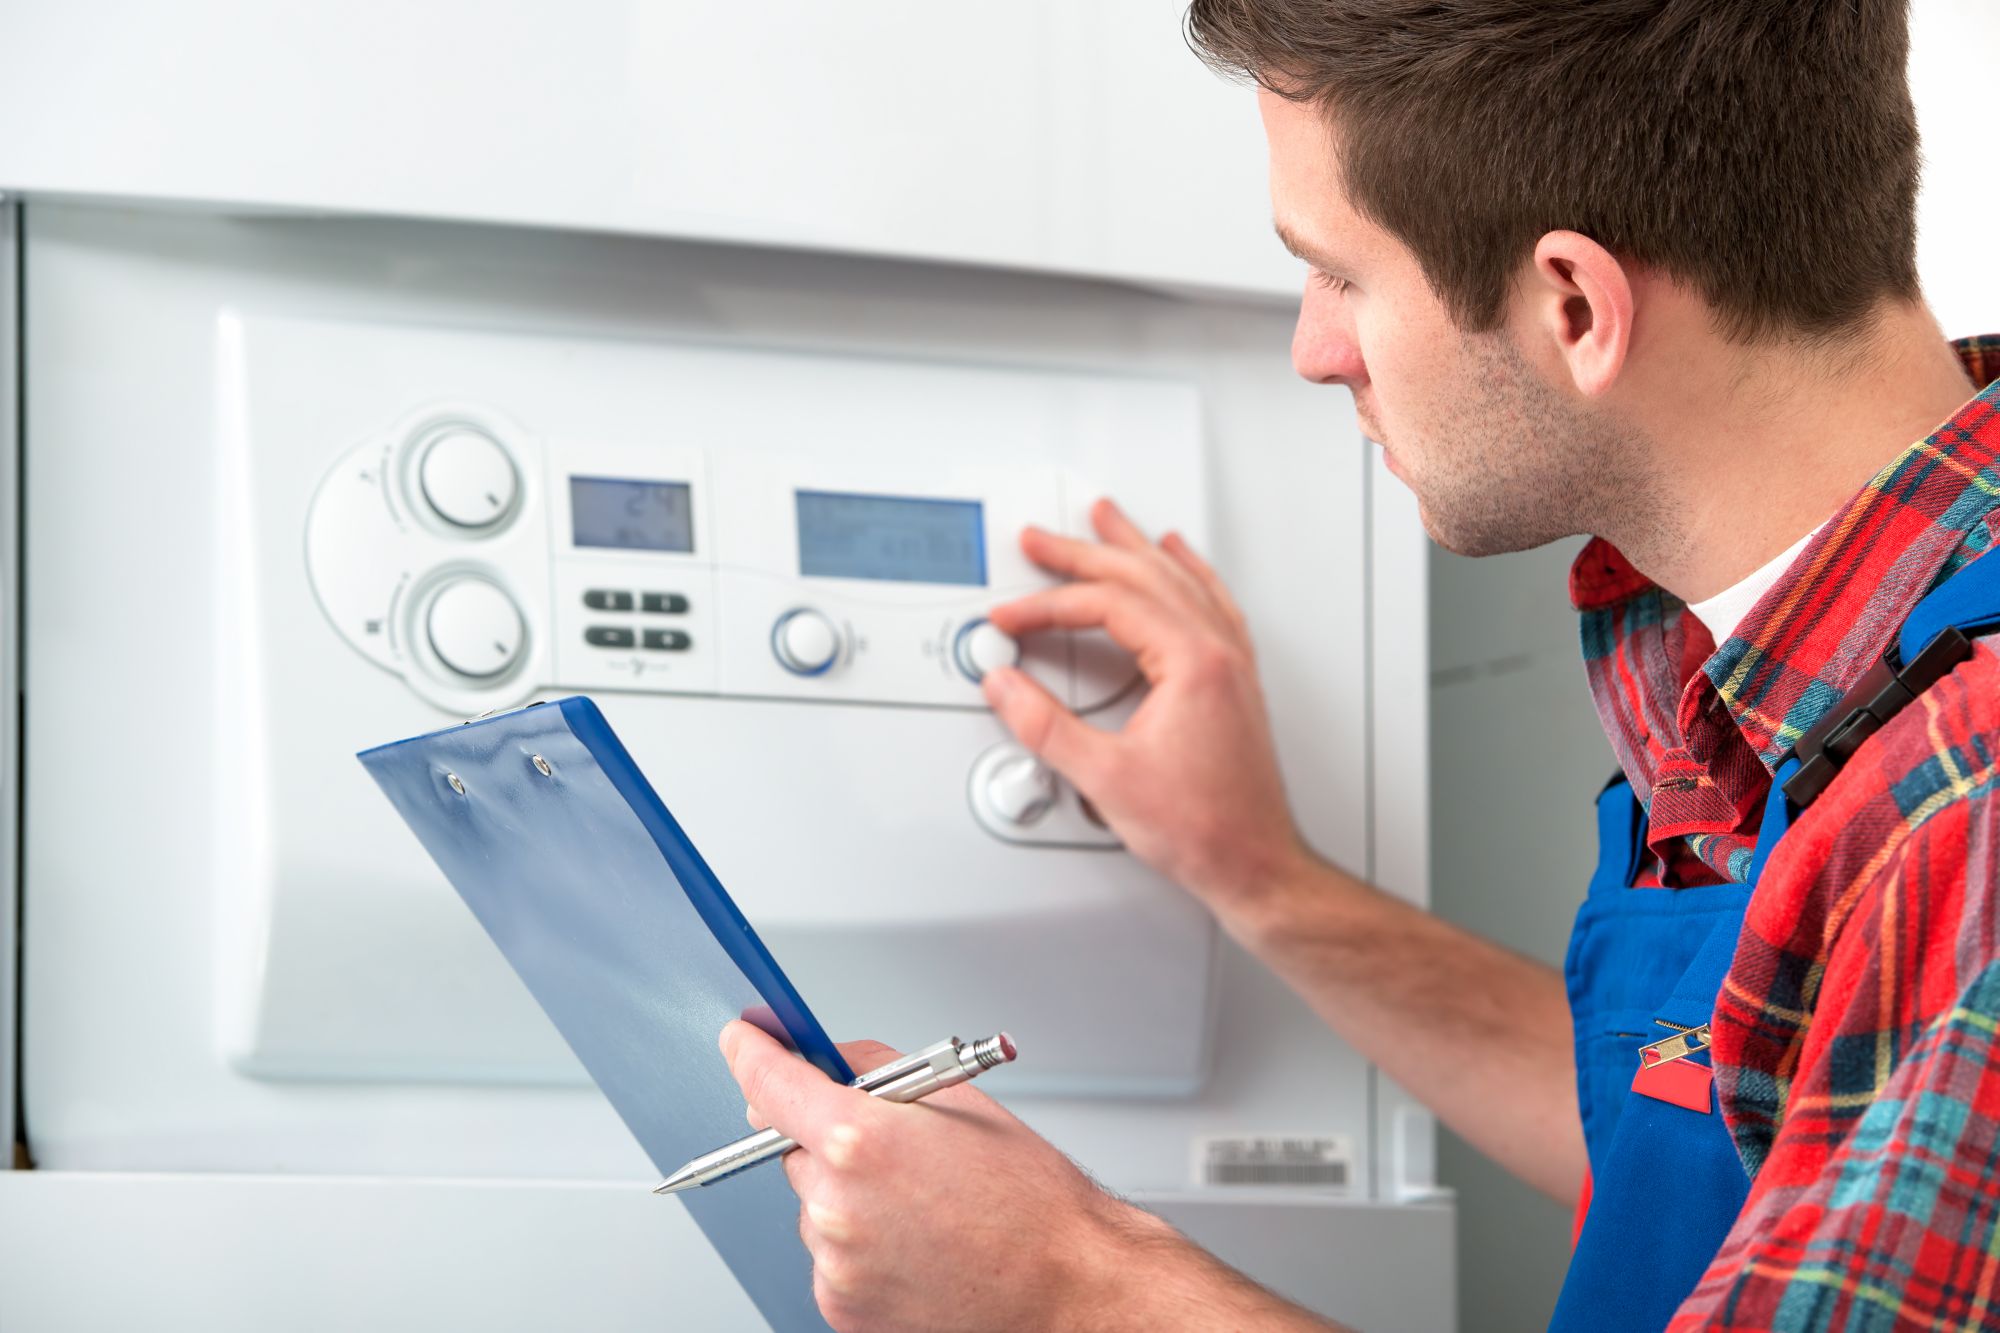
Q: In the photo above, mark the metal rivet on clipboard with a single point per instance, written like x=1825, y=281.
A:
x=542, y=766
x=457, y=783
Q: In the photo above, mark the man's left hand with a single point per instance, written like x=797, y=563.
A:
x=947, y=1212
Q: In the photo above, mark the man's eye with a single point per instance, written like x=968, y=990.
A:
x=1328, y=281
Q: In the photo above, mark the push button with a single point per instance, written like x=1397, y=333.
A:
x=663, y=603
x=669, y=640
x=603, y=599
x=610, y=636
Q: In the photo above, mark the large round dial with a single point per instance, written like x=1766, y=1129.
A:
x=805, y=642
x=980, y=647
x=467, y=478
x=474, y=628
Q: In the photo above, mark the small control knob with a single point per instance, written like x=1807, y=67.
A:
x=467, y=478
x=980, y=646
x=475, y=628
x=805, y=642
x=1021, y=790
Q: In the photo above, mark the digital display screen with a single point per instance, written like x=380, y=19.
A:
x=632, y=515
x=891, y=537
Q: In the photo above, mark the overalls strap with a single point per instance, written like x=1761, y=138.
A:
x=1621, y=837
x=1968, y=601
x=1647, y=964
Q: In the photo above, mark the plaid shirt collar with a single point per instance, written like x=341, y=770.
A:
x=1698, y=729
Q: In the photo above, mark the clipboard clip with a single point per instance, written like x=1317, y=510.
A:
x=502, y=712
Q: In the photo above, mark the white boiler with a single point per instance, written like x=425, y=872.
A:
x=307, y=452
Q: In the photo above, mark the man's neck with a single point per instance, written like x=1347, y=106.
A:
x=1760, y=446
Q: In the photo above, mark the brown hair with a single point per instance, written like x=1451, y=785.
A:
x=1763, y=152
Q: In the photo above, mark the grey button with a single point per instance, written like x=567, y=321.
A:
x=603, y=599
x=669, y=640
x=663, y=603
x=609, y=636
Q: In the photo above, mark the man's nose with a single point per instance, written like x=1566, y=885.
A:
x=1324, y=348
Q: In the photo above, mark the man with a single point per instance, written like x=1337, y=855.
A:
x=1642, y=269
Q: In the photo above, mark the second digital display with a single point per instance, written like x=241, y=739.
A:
x=898, y=538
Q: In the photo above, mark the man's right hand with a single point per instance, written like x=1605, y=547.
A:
x=1190, y=783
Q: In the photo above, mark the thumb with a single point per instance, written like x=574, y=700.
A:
x=1039, y=721
x=864, y=1056
x=792, y=1096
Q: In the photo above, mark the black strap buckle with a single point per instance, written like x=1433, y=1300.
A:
x=1864, y=710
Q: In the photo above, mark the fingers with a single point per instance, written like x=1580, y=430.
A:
x=804, y=1171
x=1075, y=558
x=862, y=1056
x=1115, y=528
x=1124, y=556
x=796, y=1098
x=821, y=1232
x=1139, y=625
x=1202, y=573
x=1039, y=721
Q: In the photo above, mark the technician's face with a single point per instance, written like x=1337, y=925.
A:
x=1498, y=459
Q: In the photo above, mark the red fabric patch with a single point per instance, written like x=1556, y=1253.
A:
x=1582, y=1210
x=1682, y=1082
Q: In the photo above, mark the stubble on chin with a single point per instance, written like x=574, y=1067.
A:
x=1507, y=463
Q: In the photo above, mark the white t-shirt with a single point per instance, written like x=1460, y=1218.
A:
x=1723, y=612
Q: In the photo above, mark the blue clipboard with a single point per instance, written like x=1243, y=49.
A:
x=547, y=828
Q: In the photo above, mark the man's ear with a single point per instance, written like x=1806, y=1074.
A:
x=1580, y=297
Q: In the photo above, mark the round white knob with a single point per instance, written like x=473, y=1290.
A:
x=806, y=643
x=1021, y=790
x=475, y=629
x=468, y=478
x=981, y=647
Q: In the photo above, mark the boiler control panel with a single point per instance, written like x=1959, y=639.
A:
x=483, y=560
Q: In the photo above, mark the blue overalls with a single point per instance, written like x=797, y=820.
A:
x=1643, y=964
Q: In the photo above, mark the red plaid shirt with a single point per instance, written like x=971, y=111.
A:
x=1856, y=1046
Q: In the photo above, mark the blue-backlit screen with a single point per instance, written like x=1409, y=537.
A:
x=899, y=538
x=632, y=515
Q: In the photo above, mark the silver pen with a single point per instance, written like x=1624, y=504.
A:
x=945, y=1065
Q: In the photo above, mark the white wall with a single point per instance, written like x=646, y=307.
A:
x=1954, y=56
